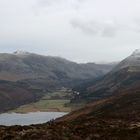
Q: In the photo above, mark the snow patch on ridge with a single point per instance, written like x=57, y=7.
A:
x=136, y=53
x=19, y=52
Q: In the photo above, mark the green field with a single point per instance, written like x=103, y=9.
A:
x=54, y=101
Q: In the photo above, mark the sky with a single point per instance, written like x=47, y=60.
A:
x=79, y=30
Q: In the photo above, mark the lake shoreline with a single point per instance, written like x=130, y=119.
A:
x=32, y=118
x=18, y=112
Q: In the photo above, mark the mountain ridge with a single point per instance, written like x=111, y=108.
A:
x=33, y=65
x=125, y=74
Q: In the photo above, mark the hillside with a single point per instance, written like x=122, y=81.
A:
x=13, y=94
x=113, y=111
x=126, y=74
x=25, y=65
x=115, y=118
x=123, y=105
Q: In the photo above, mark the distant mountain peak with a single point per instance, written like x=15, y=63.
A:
x=136, y=53
x=132, y=62
x=19, y=52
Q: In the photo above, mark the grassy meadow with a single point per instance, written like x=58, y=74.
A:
x=53, y=101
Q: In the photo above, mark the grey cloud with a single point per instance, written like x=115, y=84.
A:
x=46, y=3
x=109, y=31
x=132, y=25
x=137, y=20
x=49, y=33
x=95, y=28
x=87, y=28
x=137, y=25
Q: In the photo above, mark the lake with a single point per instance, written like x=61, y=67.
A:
x=9, y=119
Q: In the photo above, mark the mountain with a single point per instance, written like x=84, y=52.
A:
x=24, y=74
x=133, y=62
x=113, y=112
x=126, y=74
x=24, y=65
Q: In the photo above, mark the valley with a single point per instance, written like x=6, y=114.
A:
x=103, y=108
x=59, y=100
x=69, y=69
x=25, y=78
x=56, y=101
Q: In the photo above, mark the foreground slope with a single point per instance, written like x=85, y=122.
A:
x=116, y=118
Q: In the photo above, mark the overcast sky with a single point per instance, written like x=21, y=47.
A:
x=79, y=30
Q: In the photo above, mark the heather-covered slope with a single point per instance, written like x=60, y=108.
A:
x=116, y=118
x=13, y=94
x=124, y=104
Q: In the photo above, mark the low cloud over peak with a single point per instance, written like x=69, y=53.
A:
x=104, y=29
x=80, y=30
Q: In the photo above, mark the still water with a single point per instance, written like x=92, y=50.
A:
x=9, y=119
